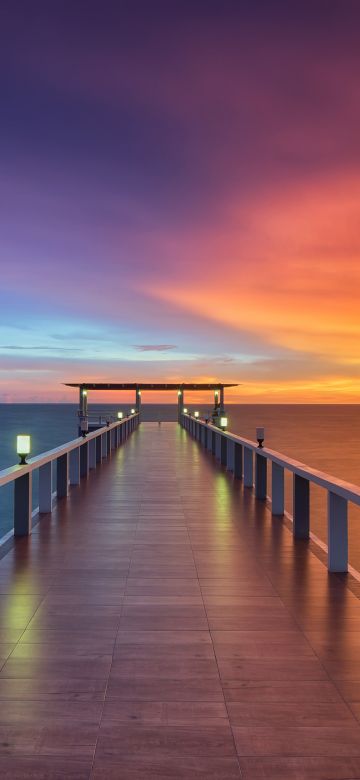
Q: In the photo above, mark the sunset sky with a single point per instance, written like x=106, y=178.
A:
x=180, y=196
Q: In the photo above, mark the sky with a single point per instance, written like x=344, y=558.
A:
x=180, y=196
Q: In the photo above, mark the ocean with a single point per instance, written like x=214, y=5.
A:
x=324, y=436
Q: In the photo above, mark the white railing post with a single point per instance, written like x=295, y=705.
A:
x=74, y=466
x=277, y=489
x=337, y=533
x=301, y=507
x=45, y=488
x=22, y=505
x=248, y=467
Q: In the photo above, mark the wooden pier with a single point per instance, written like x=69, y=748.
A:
x=161, y=624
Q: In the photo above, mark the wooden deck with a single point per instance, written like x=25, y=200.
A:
x=162, y=625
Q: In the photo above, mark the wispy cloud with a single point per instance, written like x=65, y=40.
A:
x=16, y=347
x=154, y=347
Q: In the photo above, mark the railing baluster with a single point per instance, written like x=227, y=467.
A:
x=260, y=477
x=248, y=467
x=223, y=450
x=104, y=446
x=45, y=488
x=74, y=466
x=277, y=489
x=337, y=533
x=22, y=505
x=84, y=460
x=238, y=461
x=217, y=446
x=301, y=507
x=112, y=442
x=99, y=448
x=62, y=475
x=92, y=454
x=230, y=455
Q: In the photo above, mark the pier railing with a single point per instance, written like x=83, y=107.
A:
x=248, y=462
x=73, y=462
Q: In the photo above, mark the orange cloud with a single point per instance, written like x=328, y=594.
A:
x=287, y=269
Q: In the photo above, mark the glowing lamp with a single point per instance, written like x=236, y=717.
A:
x=132, y=411
x=120, y=415
x=260, y=435
x=23, y=447
x=196, y=414
x=185, y=411
x=179, y=393
x=84, y=392
x=223, y=423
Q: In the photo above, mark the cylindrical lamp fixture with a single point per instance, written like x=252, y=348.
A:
x=260, y=436
x=23, y=444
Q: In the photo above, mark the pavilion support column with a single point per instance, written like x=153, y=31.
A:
x=180, y=403
x=138, y=400
x=222, y=399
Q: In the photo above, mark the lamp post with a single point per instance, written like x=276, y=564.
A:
x=23, y=447
x=223, y=423
x=260, y=436
x=138, y=400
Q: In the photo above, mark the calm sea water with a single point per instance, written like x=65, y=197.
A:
x=326, y=437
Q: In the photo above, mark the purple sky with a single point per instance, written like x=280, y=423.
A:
x=179, y=196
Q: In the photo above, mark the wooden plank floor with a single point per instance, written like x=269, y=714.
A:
x=162, y=625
